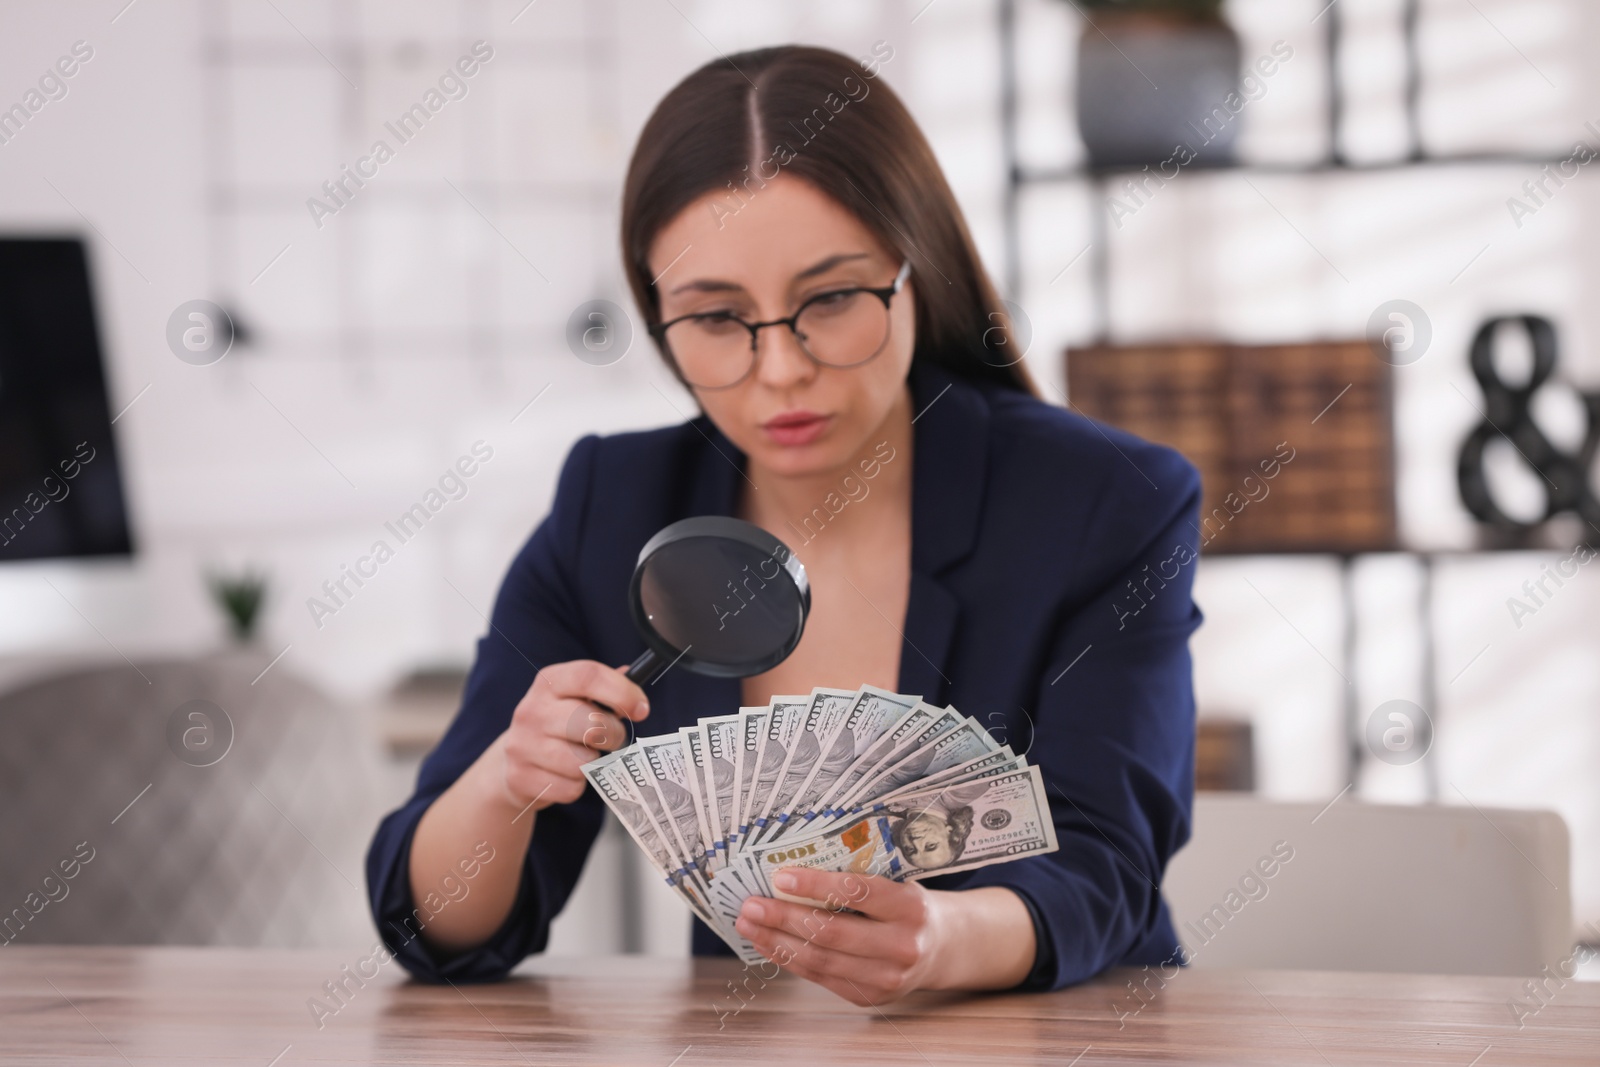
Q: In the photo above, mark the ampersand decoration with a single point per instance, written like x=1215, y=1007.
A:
x=1564, y=477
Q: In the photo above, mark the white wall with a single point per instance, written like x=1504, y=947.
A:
x=416, y=321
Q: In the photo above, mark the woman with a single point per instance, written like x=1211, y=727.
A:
x=807, y=274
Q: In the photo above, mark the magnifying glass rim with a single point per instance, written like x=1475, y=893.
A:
x=729, y=529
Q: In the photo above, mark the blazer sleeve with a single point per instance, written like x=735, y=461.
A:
x=536, y=620
x=1113, y=736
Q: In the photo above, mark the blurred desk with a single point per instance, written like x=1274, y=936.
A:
x=242, y=1006
x=416, y=711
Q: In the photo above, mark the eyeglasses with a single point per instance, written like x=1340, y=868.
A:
x=838, y=328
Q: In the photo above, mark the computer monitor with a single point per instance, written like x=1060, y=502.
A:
x=60, y=478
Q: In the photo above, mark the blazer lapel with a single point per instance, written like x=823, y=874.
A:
x=931, y=616
x=950, y=441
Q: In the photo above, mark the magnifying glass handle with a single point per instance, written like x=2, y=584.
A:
x=643, y=670
x=640, y=672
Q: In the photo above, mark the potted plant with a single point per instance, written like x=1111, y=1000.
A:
x=240, y=596
x=1153, y=75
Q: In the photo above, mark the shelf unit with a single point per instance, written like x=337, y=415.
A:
x=1019, y=177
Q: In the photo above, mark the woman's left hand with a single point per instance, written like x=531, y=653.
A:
x=893, y=947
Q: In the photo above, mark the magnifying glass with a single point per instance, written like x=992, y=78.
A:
x=717, y=596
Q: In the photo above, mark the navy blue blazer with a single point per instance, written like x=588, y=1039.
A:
x=1052, y=560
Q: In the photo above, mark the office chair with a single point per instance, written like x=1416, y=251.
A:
x=173, y=833
x=1439, y=889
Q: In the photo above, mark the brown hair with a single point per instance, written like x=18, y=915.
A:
x=739, y=121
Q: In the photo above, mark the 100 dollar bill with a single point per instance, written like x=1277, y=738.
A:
x=921, y=834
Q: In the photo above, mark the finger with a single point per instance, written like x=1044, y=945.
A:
x=551, y=756
x=587, y=725
x=846, y=989
x=852, y=935
x=566, y=758
x=843, y=988
x=536, y=785
x=824, y=962
x=586, y=679
x=871, y=895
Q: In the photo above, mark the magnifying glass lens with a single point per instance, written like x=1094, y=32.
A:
x=718, y=596
x=720, y=601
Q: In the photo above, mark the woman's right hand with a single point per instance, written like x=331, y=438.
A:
x=557, y=728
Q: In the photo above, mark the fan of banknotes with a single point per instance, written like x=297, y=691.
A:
x=866, y=780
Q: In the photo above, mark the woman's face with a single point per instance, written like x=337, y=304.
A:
x=760, y=261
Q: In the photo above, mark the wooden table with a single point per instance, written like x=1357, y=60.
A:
x=174, y=1006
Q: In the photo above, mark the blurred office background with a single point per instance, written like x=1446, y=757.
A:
x=377, y=342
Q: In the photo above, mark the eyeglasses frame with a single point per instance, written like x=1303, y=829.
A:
x=884, y=293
